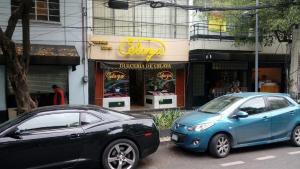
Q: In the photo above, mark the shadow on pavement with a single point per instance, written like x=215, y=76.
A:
x=261, y=148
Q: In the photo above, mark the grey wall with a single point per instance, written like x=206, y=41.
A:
x=2, y=89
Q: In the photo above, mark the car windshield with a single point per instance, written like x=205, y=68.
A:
x=7, y=124
x=219, y=104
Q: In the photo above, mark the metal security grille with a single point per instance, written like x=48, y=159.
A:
x=41, y=79
x=198, y=79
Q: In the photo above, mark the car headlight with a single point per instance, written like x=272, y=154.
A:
x=201, y=127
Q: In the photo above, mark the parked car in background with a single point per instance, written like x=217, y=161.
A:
x=74, y=136
x=238, y=120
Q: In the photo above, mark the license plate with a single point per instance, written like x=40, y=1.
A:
x=174, y=137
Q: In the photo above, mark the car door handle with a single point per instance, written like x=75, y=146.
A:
x=265, y=117
x=75, y=136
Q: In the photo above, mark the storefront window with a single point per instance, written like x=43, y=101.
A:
x=116, y=83
x=160, y=82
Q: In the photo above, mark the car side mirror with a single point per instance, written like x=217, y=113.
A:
x=241, y=114
x=15, y=133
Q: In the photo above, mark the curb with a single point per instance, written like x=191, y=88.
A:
x=165, y=139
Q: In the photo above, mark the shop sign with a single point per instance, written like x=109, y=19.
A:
x=133, y=46
x=145, y=66
x=165, y=75
x=100, y=42
x=103, y=45
x=216, y=22
x=115, y=75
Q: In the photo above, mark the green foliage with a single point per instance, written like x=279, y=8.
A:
x=270, y=20
x=165, y=119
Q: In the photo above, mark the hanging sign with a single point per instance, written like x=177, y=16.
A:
x=136, y=46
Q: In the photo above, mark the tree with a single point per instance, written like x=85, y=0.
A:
x=281, y=19
x=18, y=64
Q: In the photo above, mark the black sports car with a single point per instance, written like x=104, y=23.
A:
x=75, y=136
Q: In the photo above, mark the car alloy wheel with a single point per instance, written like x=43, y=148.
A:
x=296, y=136
x=121, y=154
x=220, y=145
x=223, y=146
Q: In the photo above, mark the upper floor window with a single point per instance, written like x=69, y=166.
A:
x=42, y=10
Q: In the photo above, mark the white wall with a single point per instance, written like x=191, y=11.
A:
x=67, y=32
x=2, y=89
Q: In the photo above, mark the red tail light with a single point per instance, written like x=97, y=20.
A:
x=148, y=134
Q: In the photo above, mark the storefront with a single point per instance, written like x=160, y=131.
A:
x=134, y=73
x=215, y=73
x=49, y=65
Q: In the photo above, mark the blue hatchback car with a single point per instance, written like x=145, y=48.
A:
x=238, y=120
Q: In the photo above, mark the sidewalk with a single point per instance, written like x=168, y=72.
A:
x=164, y=135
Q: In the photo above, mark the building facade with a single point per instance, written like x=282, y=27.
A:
x=218, y=64
x=57, y=37
x=138, y=56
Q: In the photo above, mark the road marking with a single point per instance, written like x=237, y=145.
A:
x=294, y=153
x=232, y=163
x=265, y=158
x=165, y=139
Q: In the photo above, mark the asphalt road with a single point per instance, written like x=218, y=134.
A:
x=274, y=156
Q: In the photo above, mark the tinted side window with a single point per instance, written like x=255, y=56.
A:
x=254, y=106
x=277, y=103
x=87, y=118
x=51, y=121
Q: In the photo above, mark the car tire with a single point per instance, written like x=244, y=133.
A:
x=220, y=146
x=120, y=152
x=295, y=139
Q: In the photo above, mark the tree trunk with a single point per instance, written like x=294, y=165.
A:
x=17, y=76
x=294, y=67
x=17, y=65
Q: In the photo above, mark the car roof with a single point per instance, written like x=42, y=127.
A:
x=255, y=94
x=65, y=107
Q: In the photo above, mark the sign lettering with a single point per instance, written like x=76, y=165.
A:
x=134, y=47
x=165, y=75
x=115, y=75
x=103, y=45
x=145, y=66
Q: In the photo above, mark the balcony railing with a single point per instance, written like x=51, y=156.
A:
x=220, y=32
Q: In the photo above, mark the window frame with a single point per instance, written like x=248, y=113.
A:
x=172, y=29
x=265, y=102
x=269, y=105
x=34, y=9
x=92, y=114
x=48, y=129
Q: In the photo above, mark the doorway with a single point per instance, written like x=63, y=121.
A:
x=137, y=88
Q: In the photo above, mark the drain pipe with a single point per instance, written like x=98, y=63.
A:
x=84, y=53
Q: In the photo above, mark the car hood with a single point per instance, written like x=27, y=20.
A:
x=196, y=117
